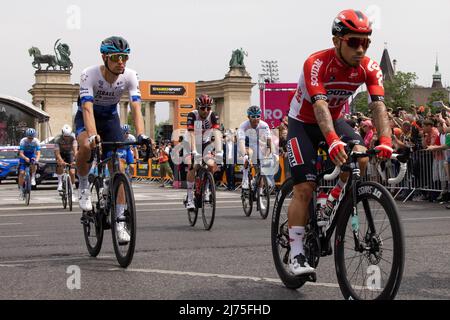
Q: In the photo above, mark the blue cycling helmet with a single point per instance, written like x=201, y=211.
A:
x=30, y=132
x=114, y=45
x=254, y=111
x=125, y=129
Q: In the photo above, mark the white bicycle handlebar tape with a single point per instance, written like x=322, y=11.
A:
x=396, y=180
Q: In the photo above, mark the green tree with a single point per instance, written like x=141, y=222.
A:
x=158, y=128
x=398, y=90
x=438, y=95
x=360, y=103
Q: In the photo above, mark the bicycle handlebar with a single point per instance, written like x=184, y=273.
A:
x=395, y=156
x=148, y=152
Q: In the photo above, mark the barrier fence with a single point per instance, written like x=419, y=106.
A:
x=426, y=172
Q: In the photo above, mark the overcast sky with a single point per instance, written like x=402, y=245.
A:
x=191, y=40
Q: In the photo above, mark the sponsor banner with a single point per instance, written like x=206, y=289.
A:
x=275, y=101
x=159, y=90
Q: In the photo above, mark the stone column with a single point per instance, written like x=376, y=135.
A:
x=123, y=106
x=152, y=119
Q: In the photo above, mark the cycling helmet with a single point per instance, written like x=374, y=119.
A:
x=30, y=132
x=351, y=21
x=204, y=101
x=125, y=129
x=254, y=111
x=114, y=45
x=66, y=130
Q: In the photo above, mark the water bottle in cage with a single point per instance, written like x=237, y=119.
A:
x=320, y=208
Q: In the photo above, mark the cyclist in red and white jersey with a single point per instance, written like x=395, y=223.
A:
x=328, y=79
x=207, y=123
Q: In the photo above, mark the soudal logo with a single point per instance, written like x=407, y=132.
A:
x=339, y=92
x=315, y=72
x=294, y=154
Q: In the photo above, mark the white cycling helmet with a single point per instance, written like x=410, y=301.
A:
x=66, y=130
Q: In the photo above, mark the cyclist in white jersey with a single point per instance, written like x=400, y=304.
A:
x=255, y=140
x=101, y=88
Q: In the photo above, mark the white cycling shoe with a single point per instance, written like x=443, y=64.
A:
x=300, y=266
x=122, y=233
x=85, y=200
x=190, y=205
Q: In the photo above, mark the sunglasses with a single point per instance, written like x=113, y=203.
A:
x=255, y=117
x=205, y=108
x=118, y=57
x=355, y=42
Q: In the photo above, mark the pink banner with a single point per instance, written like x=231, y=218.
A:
x=275, y=100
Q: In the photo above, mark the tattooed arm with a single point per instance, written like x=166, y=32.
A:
x=380, y=118
x=323, y=117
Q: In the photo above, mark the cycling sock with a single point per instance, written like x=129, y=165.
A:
x=120, y=209
x=296, y=240
x=84, y=182
x=190, y=193
x=245, y=176
x=59, y=178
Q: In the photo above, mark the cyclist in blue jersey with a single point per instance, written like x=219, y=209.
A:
x=101, y=88
x=29, y=152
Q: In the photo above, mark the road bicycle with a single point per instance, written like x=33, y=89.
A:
x=369, y=250
x=105, y=191
x=204, y=197
x=259, y=191
x=67, y=189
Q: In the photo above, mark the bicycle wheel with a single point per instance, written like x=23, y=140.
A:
x=280, y=237
x=64, y=192
x=263, y=195
x=93, y=224
x=208, y=200
x=69, y=192
x=375, y=269
x=27, y=190
x=192, y=215
x=247, y=198
x=124, y=250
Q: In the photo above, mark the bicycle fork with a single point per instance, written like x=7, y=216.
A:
x=356, y=176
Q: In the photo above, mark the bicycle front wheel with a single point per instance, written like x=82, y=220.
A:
x=27, y=190
x=69, y=193
x=374, y=268
x=123, y=199
x=64, y=193
x=263, y=196
x=281, y=247
x=93, y=227
x=247, y=198
x=208, y=200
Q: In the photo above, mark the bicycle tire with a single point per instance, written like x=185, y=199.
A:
x=95, y=221
x=208, y=219
x=69, y=193
x=27, y=190
x=64, y=193
x=371, y=191
x=265, y=196
x=247, y=198
x=124, y=257
x=192, y=216
x=280, y=238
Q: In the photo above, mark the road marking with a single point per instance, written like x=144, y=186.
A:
x=22, y=236
x=11, y=265
x=8, y=263
x=10, y=224
x=217, y=275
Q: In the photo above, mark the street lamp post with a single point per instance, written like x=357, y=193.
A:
x=270, y=68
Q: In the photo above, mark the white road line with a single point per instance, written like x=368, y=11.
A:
x=21, y=236
x=216, y=275
x=10, y=224
x=11, y=265
x=86, y=257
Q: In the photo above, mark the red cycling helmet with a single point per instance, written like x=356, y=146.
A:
x=351, y=21
x=204, y=101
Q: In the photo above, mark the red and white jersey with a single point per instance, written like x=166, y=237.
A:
x=325, y=77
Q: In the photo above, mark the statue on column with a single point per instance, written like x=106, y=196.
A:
x=61, y=58
x=237, y=58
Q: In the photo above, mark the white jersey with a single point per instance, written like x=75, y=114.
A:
x=130, y=138
x=106, y=96
x=261, y=133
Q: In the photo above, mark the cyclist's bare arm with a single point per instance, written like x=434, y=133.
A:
x=22, y=155
x=192, y=140
x=38, y=155
x=88, y=117
x=380, y=118
x=325, y=122
x=58, y=157
x=137, y=117
x=218, y=140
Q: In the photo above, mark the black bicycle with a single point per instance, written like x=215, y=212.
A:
x=25, y=193
x=107, y=193
x=67, y=190
x=259, y=191
x=369, y=248
x=204, y=197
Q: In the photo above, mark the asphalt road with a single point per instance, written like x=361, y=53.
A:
x=42, y=244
